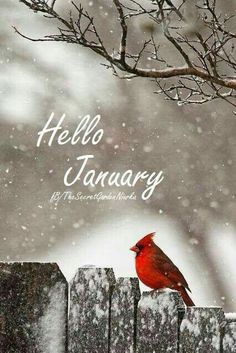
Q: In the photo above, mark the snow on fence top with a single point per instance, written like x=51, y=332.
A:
x=105, y=316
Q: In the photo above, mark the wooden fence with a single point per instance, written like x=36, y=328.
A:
x=105, y=315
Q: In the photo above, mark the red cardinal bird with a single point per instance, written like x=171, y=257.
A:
x=156, y=270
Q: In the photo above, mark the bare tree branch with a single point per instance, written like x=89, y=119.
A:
x=202, y=43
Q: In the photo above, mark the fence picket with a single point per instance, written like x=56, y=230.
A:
x=201, y=330
x=89, y=318
x=158, y=322
x=33, y=308
x=125, y=299
x=229, y=338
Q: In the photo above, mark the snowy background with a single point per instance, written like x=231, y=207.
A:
x=192, y=211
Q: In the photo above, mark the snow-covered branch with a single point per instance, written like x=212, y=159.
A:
x=198, y=35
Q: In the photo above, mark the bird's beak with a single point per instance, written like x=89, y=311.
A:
x=134, y=248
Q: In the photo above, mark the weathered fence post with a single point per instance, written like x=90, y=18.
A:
x=125, y=299
x=229, y=338
x=89, y=319
x=201, y=330
x=33, y=308
x=158, y=322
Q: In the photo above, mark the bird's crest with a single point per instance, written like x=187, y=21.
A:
x=146, y=240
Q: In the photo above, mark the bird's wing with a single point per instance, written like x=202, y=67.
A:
x=167, y=268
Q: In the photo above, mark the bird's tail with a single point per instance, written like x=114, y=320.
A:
x=186, y=298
